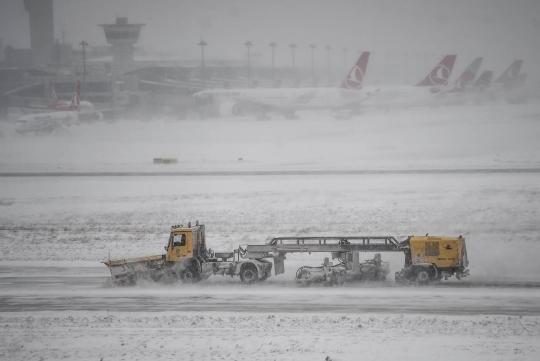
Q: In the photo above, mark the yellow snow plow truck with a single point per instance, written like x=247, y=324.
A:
x=433, y=258
x=189, y=260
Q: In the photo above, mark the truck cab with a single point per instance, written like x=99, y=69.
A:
x=185, y=242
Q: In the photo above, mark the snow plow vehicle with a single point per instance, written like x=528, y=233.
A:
x=187, y=259
x=430, y=259
x=347, y=270
x=427, y=259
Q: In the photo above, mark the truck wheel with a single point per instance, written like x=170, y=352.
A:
x=249, y=274
x=422, y=276
x=189, y=275
x=399, y=278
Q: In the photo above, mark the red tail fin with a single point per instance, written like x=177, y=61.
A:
x=440, y=74
x=76, y=99
x=355, y=78
x=511, y=73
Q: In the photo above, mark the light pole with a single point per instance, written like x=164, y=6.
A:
x=273, y=45
x=328, y=48
x=345, y=59
x=293, y=46
x=84, y=44
x=248, y=44
x=202, y=44
x=313, y=46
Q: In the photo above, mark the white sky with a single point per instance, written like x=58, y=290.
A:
x=499, y=30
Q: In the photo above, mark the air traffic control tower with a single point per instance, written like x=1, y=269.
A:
x=122, y=36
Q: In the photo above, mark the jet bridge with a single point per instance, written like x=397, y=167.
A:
x=278, y=247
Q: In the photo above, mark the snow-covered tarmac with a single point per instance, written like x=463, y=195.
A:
x=54, y=231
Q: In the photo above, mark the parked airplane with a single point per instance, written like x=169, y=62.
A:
x=63, y=105
x=233, y=102
x=55, y=121
x=407, y=96
x=441, y=73
x=484, y=80
x=466, y=78
x=511, y=74
x=507, y=86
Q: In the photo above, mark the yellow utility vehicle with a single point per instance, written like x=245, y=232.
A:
x=426, y=258
x=188, y=259
x=430, y=258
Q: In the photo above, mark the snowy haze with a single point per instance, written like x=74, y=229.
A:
x=54, y=231
x=499, y=30
x=381, y=173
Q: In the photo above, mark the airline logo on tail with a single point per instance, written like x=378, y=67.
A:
x=440, y=74
x=355, y=78
x=467, y=77
x=511, y=73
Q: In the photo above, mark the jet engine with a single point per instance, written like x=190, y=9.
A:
x=97, y=116
x=90, y=117
x=230, y=110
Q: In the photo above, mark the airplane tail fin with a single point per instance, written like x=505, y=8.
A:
x=355, y=78
x=511, y=73
x=440, y=73
x=468, y=75
x=484, y=80
x=76, y=99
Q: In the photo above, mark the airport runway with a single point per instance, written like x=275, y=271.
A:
x=271, y=173
x=58, y=290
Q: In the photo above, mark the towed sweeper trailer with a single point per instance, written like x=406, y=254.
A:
x=427, y=258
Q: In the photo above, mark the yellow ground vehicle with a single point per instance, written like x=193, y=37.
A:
x=426, y=258
x=189, y=260
x=430, y=258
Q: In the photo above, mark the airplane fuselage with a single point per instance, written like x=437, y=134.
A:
x=45, y=122
x=286, y=99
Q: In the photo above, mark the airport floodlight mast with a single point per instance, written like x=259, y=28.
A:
x=345, y=58
x=273, y=45
x=313, y=47
x=328, y=48
x=84, y=44
x=248, y=44
x=293, y=46
x=202, y=44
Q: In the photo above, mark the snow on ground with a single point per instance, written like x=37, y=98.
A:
x=491, y=136
x=275, y=336
x=58, y=225
x=83, y=219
